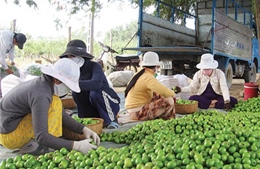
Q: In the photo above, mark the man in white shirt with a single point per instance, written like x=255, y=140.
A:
x=8, y=39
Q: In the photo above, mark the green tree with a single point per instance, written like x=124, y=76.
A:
x=121, y=36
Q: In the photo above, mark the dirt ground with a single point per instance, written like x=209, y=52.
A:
x=237, y=88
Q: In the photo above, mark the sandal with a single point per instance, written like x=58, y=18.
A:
x=32, y=147
x=113, y=125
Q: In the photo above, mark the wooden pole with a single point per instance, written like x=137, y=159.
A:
x=69, y=33
x=14, y=25
x=90, y=36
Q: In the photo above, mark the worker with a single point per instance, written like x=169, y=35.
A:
x=97, y=98
x=211, y=86
x=8, y=39
x=145, y=97
x=32, y=116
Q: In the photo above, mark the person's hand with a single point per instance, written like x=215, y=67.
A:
x=9, y=71
x=176, y=89
x=83, y=146
x=91, y=134
x=227, y=106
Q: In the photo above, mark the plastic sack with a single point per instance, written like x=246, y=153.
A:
x=168, y=81
x=120, y=78
x=10, y=81
x=183, y=81
x=109, y=83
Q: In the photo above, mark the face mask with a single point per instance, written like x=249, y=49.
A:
x=207, y=71
x=60, y=89
x=79, y=60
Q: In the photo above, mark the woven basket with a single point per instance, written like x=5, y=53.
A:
x=68, y=103
x=70, y=135
x=186, y=108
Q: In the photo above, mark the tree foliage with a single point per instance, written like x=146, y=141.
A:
x=30, y=3
x=120, y=36
x=187, y=6
x=75, y=6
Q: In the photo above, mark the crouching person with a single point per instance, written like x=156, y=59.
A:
x=32, y=116
x=146, y=97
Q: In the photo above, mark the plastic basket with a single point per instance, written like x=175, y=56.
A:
x=70, y=135
x=186, y=108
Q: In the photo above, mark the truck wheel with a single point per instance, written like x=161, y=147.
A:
x=229, y=75
x=169, y=72
x=250, y=76
x=163, y=72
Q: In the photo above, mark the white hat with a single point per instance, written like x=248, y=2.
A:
x=150, y=59
x=207, y=62
x=65, y=70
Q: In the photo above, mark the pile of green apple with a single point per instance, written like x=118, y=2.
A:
x=86, y=121
x=182, y=101
x=249, y=105
x=207, y=139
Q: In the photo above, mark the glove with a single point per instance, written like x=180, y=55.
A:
x=176, y=89
x=9, y=71
x=89, y=133
x=83, y=146
x=227, y=106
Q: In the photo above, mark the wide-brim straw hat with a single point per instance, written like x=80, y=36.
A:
x=207, y=62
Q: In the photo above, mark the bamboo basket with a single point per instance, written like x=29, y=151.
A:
x=68, y=103
x=186, y=108
x=70, y=135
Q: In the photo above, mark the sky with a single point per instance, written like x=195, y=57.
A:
x=41, y=22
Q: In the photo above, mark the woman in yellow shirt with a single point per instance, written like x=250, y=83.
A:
x=145, y=97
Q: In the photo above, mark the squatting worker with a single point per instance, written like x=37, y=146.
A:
x=211, y=85
x=96, y=98
x=8, y=39
x=145, y=97
x=32, y=116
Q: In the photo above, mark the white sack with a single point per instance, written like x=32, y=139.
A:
x=10, y=81
x=120, y=78
x=168, y=81
x=183, y=81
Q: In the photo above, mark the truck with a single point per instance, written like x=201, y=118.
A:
x=224, y=28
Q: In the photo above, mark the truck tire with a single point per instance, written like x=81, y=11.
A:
x=229, y=75
x=250, y=76
x=163, y=72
